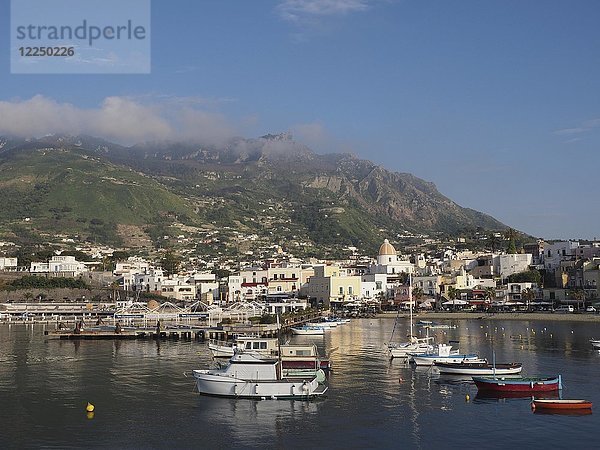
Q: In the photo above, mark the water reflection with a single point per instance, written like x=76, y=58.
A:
x=250, y=422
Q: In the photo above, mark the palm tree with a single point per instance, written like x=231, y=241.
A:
x=489, y=294
x=452, y=292
x=529, y=295
x=578, y=294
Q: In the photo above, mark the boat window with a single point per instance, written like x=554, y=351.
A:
x=256, y=345
x=248, y=345
x=263, y=345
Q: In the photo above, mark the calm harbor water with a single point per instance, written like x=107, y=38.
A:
x=143, y=399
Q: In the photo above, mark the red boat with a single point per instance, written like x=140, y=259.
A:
x=560, y=404
x=531, y=384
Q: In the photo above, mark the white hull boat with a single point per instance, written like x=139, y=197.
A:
x=309, y=331
x=444, y=353
x=250, y=376
x=468, y=368
x=416, y=345
x=595, y=343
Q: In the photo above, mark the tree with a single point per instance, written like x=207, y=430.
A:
x=578, y=294
x=28, y=296
x=529, y=295
x=528, y=276
x=452, y=292
x=418, y=293
x=170, y=263
x=489, y=293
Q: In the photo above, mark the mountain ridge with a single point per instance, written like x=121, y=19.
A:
x=231, y=182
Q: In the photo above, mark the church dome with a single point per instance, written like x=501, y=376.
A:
x=387, y=249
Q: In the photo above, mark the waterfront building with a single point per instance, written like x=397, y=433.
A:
x=331, y=286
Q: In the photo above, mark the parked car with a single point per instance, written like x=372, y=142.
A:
x=565, y=309
x=591, y=309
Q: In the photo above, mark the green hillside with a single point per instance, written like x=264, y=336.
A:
x=61, y=190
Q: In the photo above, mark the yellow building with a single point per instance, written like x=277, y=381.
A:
x=332, y=286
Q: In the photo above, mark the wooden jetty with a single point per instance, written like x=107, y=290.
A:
x=176, y=333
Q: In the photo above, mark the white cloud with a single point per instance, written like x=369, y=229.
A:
x=586, y=126
x=318, y=138
x=298, y=10
x=120, y=119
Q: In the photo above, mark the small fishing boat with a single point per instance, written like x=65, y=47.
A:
x=557, y=404
x=444, y=353
x=308, y=331
x=251, y=376
x=595, y=343
x=478, y=368
x=523, y=384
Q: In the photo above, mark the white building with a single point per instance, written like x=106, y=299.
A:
x=8, y=263
x=373, y=285
x=513, y=263
x=388, y=261
x=62, y=265
x=558, y=251
x=128, y=269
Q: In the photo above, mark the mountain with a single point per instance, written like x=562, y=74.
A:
x=271, y=186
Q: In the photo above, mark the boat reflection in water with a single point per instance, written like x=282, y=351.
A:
x=253, y=422
x=491, y=396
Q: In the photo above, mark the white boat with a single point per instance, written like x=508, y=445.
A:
x=307, y=330
x=444, y=353
x=414, y=344
x=264, y=346
x=595, y=343
x=249, y=375
x=296, y=360
x=478, y=368
x=324, y=323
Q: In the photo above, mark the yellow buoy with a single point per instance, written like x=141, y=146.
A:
x=89, y=407
x=467, y=397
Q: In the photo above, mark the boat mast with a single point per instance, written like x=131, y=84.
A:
x=410, y=305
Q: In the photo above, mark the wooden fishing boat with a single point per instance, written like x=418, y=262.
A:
x=526, y=384
x=560, y=404
x=477, y=368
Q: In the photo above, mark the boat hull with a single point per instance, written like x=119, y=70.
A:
x=561, y=404
x=308, y=332
x=220, y=386
x=465, y=368
x=518, y=385
x=405, y=350
x=429, y=360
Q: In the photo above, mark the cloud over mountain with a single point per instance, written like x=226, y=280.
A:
x=121, y=119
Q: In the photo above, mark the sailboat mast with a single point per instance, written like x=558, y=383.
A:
x=410, y=304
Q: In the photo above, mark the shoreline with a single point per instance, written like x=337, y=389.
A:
x=520, y=316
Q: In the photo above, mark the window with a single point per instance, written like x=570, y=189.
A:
x=378, y=285
x=274, y=276
x=263, y=345
x=341, y=290
x=278, y=288
x=248, y=345
x=256, y=345
x=349, y=290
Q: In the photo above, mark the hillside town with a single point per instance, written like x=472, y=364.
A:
x=541, y=276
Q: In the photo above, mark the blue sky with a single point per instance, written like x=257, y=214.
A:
x=496, y=102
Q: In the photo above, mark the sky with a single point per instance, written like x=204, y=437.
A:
x=496, y=102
